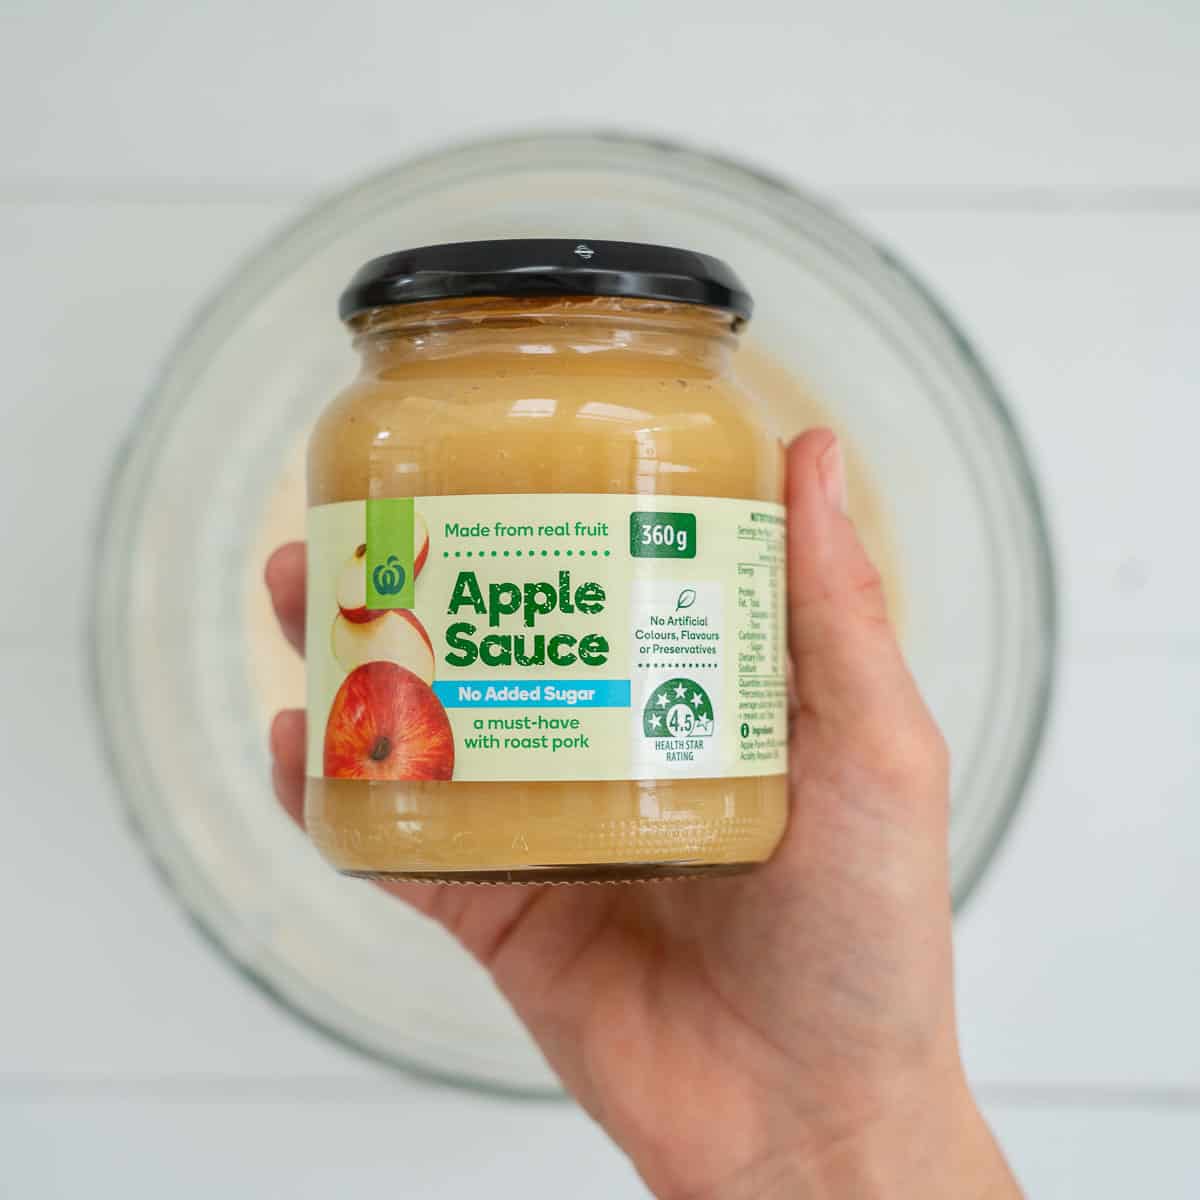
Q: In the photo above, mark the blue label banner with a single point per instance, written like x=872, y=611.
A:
x=541, y=693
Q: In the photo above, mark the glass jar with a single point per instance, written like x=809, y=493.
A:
x=545, y=625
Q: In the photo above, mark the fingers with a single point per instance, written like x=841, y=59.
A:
x=850, y=675
x=480, y=920
x=829, y=573
x=288, y=745
x=284, y=575
x=287, y=761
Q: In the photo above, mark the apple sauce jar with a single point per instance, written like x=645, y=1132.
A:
x=545, y=623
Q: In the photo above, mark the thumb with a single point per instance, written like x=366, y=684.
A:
x=849, y=673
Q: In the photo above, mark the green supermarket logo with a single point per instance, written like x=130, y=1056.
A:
x=389, y=576
x=390, y=542
x=679, y=708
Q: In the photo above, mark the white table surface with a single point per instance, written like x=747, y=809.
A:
x=1037, y=162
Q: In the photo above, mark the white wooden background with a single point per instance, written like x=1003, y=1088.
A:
x=1036, y=160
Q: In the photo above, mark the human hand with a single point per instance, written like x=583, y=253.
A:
x=787, y=1032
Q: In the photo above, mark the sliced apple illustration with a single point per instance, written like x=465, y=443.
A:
x=386, y=723
x=352, y=588
x=420, y=543
x=352, y=580
x=392, y=636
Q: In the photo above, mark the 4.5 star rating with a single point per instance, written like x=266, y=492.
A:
x=678, y=708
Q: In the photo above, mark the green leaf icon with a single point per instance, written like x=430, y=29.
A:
x=686, y=599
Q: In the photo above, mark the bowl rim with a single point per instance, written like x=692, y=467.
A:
x=266, y=259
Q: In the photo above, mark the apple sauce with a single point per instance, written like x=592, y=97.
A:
x=557, y=651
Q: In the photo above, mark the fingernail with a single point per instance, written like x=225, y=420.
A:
x=833, y=476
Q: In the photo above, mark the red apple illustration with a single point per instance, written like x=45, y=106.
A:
x=386, y=723
x=396, y=635
x=352, y=581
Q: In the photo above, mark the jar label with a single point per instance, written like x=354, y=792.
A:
x=546, y=637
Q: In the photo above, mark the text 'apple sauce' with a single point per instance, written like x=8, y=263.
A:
x=545, y=622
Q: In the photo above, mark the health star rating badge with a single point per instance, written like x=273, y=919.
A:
x=679, y=708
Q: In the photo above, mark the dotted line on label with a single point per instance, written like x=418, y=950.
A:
x=670, y=664
x=526, y=553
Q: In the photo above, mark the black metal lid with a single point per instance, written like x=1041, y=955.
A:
x=545, y=267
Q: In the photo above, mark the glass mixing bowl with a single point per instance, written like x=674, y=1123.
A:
x=189, y=666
